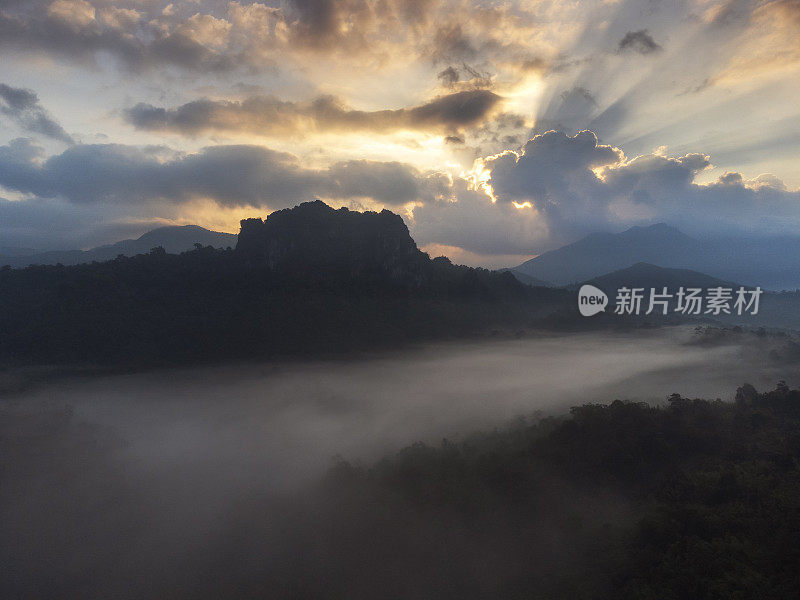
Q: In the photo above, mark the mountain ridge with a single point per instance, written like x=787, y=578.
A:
x=173, y=238
x=646, y=275
x=770, y=262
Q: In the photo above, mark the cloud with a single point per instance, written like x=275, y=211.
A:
x=269, y=115
x=22, y=106
x=320, y=22
x=449, y=76
x=638, y=41
x=392, y=183
x=80, y=31
x=551, y=164
x=464, y=77
x=574, y=106
x=468, y=220
x=560, y=188
x=254, y=36
x=232, y=176
x=555, y=189
x=450, y=42
x=57, y=224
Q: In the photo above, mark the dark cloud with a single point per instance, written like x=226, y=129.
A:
x=230, y=175
x=547, y=165
x=256, y=36
x=731, y=179
x=392, y=182
x=449, y=77
x=455, y=110
x=554, y=172
x=638, y=41
x=464, y=78
x=318, y=22
x=269, y=115
x=79, y=31
x=22, y=106
x=581, y=94
x=353, y=25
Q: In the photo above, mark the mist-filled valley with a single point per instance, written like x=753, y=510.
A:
x=399, y=300
x=215, y=481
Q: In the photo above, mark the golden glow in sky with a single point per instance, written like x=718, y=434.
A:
x=115, y=116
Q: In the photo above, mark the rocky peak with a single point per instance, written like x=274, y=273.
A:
x=313, y=239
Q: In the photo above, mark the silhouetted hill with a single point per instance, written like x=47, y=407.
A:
x=177, y=239
x=600, y=253
x=314, y=240
x=527, y=279
x=771, y=262
x=306, y=280
x=644, y=275
x=174, y=239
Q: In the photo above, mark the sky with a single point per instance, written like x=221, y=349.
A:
x=498, y=130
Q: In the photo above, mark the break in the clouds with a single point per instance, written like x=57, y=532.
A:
x=270, y=115
x=23, y=108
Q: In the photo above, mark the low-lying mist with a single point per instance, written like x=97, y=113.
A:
x=151, y=485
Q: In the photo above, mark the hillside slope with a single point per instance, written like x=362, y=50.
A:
x=174, y=239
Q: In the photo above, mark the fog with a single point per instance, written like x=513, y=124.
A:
x=136, y=485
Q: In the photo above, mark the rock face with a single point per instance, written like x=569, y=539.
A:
x=313, y=240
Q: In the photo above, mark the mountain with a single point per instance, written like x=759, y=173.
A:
x=306, y=280
x=314, y=240
x=600, y=253
x=770, y=262
x=527, y=279
x=645, y=275
x=174, y=239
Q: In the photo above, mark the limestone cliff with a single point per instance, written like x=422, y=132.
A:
x=315, y=240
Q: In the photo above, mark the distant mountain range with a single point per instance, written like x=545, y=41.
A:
x=174, y=239
x=772, y=263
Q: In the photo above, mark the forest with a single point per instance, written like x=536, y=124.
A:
x=695, y=499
